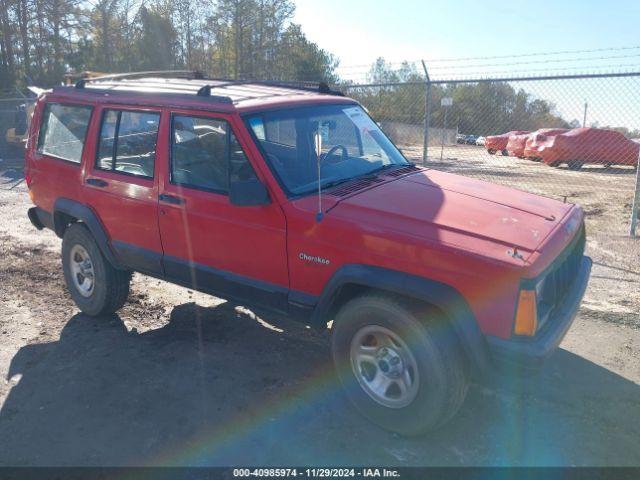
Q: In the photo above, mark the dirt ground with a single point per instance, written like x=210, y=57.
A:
x=179, y=378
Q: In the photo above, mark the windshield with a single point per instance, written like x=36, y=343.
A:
x=345, y=140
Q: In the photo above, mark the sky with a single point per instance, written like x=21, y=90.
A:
x=359, y=31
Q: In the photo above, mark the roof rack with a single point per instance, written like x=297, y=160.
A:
x=183, y=74
x=188, y=82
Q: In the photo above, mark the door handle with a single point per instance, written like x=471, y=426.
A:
x=172, y=199
x=96, y=182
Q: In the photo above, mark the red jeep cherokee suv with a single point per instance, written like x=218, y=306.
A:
x=294, y=202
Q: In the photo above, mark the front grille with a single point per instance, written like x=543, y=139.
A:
x=558, y=282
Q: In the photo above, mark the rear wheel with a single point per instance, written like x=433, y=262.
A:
x=95, y=285
x=505, y=153
x=491, y=151
x=400, y=366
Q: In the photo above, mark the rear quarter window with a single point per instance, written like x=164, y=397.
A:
x=63, y=131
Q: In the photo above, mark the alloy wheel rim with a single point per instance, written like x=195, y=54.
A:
x=82, y=271
x=384, y=366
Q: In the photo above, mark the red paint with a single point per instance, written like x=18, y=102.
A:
x=128, y=205
x=449, y=228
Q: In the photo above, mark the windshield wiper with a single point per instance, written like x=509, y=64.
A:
x=373, y=174
x=387, y=167
x=364, y=176
x=335, y=183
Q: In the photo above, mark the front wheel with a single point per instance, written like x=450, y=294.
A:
x=400, y=366
x=95, y=285
x=491, y=151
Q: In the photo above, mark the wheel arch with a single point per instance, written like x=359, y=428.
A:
x=354, y=280
x=67, y=211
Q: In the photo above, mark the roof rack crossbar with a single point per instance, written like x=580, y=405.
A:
x=321, y=87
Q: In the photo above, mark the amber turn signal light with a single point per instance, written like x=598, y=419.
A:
x=527, y=314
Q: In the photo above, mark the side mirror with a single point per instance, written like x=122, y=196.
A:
x=248, y=193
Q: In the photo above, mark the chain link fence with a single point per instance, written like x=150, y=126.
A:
x=15, y=114
x=575, y=138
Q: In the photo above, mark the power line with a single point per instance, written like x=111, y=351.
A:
x=373, y=64
x=541, y=72
x=495, y=57
x=531, y=62
x=537, y=54
x=440, y=75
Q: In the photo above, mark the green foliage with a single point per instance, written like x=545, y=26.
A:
x=497, y=107
x=303, y=60
x=155, y=46
x=44, y=39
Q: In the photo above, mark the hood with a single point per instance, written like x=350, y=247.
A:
x=472, y=214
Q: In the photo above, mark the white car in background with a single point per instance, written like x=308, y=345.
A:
x=480, y=141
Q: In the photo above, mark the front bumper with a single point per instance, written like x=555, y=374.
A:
x=531, y=352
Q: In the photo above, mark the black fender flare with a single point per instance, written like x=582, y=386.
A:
x=72, y=208
x=443, y=296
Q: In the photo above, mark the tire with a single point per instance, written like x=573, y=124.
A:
x=109, y=289
x=431, y=359
x=575, y=164
x=505, y=153
x=491, y=151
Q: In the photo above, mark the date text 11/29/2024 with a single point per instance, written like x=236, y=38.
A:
x=316, y=473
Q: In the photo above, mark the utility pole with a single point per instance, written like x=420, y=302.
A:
x=584, y=119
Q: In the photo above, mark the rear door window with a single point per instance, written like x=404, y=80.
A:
x=128, y=142
x=63, y=131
